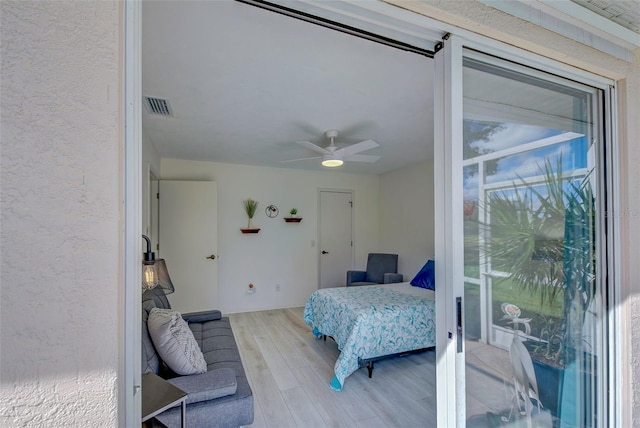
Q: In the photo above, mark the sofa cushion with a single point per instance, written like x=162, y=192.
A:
x=207, y=386
x=175, y=343
x=204, y=316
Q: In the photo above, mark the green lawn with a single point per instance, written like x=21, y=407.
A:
x=504, y=291
x=529, y=303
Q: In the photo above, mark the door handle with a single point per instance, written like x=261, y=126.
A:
x=459, y=333
x=211, y=257
x=325, y=252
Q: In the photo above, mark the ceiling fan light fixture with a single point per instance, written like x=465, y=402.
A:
x=332, y=156
x=331, y=161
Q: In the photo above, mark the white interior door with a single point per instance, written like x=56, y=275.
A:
x=335, y=243
x=188, y=237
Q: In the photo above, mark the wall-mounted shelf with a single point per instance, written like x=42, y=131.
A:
x=250, y=230
x=293, y=219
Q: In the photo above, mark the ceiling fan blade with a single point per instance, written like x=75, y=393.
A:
x=357, y=148
x=300, y=159
x=361, y=158
x=314, y=147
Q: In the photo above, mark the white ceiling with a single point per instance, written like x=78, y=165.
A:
x=244, y=84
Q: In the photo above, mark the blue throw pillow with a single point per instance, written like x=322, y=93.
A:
x=426, y=277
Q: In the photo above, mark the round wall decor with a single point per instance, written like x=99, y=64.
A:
x=271, y=211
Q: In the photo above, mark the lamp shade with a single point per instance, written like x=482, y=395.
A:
x=154, y=272
x=164, y=280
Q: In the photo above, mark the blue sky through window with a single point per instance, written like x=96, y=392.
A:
x=509, y=169
x=507, y=135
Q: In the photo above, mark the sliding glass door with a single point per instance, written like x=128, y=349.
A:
x=525, y=251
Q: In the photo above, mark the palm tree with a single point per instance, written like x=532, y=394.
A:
x=543, y=234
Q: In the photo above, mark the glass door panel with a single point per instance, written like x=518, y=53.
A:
x=532, y=313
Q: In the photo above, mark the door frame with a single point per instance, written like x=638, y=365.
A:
x=319, y=235
x=129, y=337
x=130, y=296
x=448, y=99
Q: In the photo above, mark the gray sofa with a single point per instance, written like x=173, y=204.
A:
x=221, y=397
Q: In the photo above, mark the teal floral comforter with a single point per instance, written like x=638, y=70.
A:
x=369, y=322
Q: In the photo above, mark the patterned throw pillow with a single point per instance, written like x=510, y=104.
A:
x=175, y=343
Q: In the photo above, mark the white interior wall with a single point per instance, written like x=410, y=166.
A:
x=61, y=256
x=407, y=216
x=282, y=253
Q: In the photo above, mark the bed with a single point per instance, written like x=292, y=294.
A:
x=370, y=322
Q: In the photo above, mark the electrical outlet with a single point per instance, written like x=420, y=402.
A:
x=277, y=287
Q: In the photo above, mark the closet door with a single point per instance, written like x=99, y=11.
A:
x=335, y=237
x=188, y=237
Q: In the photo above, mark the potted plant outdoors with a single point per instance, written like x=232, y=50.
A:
x=293, y=218
x=543, y=235
x=250, y=207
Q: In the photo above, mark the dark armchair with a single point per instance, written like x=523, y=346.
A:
x=381, y=269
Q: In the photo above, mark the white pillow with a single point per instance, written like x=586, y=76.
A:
x=175, y=343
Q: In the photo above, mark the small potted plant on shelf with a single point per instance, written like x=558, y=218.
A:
x=250, y=207
x=293, y=218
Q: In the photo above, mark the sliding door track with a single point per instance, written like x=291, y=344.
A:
x=343, y=28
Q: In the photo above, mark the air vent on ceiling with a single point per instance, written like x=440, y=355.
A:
x=158, y=106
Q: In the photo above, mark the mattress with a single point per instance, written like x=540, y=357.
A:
x=371, y=321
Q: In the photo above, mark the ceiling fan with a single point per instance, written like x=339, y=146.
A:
x=332, y=156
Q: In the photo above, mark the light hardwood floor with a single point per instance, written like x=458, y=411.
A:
x=289, y=371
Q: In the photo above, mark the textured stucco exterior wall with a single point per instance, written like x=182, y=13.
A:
x=60, y=212
x=630, y=214
x=479, y=18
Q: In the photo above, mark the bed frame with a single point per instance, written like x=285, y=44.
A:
x=369, y=362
